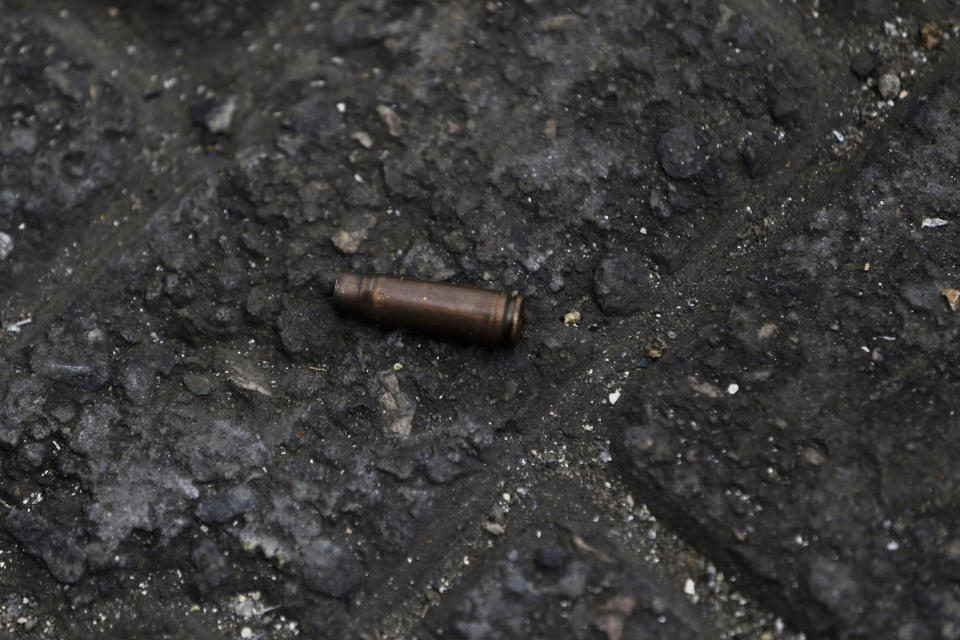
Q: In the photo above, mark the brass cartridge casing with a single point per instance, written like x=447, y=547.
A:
x=486, y=316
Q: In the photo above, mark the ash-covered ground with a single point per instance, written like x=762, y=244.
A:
x=749, y=431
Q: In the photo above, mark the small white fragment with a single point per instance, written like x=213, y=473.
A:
x=6, y=245
x=494, y=528
x=249, y=385
x=614, y=396
x=893, y=545
x=889, y=87
x=221, y=116
x=689, y=588
x=927, y=222
x=342, y=107
x=391, y=119
x=733, y=388
x=838, y=136
x=363, y=138
x=246, y=632
x=15, y=327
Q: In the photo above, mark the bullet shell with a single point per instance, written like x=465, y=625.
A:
x=486, y=316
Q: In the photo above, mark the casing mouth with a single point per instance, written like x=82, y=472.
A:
x=512, y=319
x=346, y=292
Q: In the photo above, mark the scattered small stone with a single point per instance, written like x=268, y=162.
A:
x=246, y=632
x=494, y=528
x=330, y=569
x=704, y=388
x=679, y=153
x=6, y=245
x=953, y=298
x=348, y=242
x=813, y=456
x=239, y=382
x=766, y=330
x=216, y=114
x=363, y=138
x=572, y=317
x=643, y=363
x=397, y=409
x=927, y=222
x=197, y=385
x=931, y=35
x=614, y=396
x=733, y=388
x=391, y=119
x=889, y=86
x=622, y=285
x=653, y=353
x=247, y=606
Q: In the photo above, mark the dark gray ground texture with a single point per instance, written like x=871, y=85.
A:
x=751, y=432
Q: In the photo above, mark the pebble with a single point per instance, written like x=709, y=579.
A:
x=216, y=115
x=391, y=119
x=953, y=298
x=363, y=138
x=246, y=632
x=348, y=242
x=613, y=397
x=889, y=86
x=397, y=409
x=679, y=153
x=733, y=388
x=197, y=385
x=571, y=318
x=933, y=223
x=6, y=245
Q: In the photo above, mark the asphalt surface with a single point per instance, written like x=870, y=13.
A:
x=749, y=431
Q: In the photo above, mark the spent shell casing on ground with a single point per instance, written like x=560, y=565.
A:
x=476, y=314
